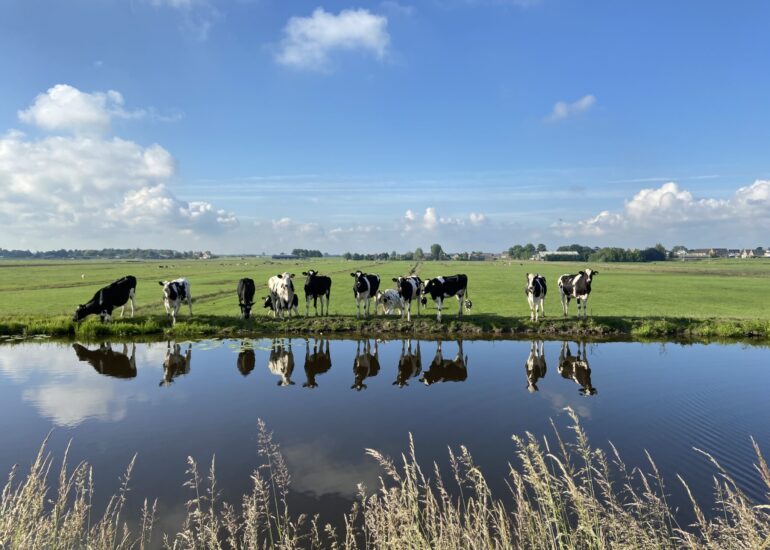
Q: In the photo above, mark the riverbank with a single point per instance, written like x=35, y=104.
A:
x=472, y=326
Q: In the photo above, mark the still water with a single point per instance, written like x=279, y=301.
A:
x=327, y=401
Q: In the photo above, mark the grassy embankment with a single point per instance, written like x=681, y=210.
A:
x=719, y=299
x=565, y=494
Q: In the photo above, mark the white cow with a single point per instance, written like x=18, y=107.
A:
x=175, y=293
x=281, y=289
x=535, y=291
x=390, y=301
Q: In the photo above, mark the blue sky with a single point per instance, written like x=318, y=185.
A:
x=264, y=125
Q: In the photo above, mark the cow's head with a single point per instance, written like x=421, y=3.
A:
x=531, y=282
x=80, y=313
x=268, y=303
x=245, y=310
x=431, y=287
x=589, y=274
x=169, y=290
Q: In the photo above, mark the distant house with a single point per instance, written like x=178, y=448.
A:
x=566, y=254
x=285, y=257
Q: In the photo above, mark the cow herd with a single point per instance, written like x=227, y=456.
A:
x=366, y=363
x=282, y=300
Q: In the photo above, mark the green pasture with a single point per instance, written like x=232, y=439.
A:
x=735, y=289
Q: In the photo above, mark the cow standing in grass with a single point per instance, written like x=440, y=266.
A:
x=316, y=287
x=116, y=294
x=409, y=364
x=535, y=365
x=441, y=288
x=575, y=367
x=447, y=370
x=576, y=286
x=175, y=293
x=246, y=290
x=390, y=301
x=318, y=362
x=281, y=289
x=535, y=291
x=365, y=287
x=409, y=288
x=268, y=305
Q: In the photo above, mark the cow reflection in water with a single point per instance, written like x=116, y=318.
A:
x=446, y=370
x=535, y=365
x=281, y=362
x=108, y=362
x=246, y=359
x=318, y=362
x=365, y=365
x=175, y=363
x=575, y=367
x=409, y=364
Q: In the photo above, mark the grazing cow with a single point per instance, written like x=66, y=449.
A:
x=175, y=363
x=365, y=287
x=390, y=301
x=175, y=293
x=409, y=288
x=445, y=370
x=576, y=368
x=246, y=359
x=535, y=291
x=409, y=364
x=245, y=290
x=116, y=294
x=281, y=289
x=268, y=304
x=535, y=365
x=318, y=362
x=440, y=288
x=108, y=362
x=576, y=286
x=281, y=362
x=365, y=365
x=316, y=286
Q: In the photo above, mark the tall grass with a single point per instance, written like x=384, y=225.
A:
x=566, y=494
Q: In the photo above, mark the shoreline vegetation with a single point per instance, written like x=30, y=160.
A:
x=564, y=493
x=478, y=326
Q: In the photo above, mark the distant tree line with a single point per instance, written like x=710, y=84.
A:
x=304, y=253
x=104, y=253
x=655, y=253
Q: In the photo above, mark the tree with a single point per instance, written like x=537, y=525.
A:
x=419, y=254
x=541, y=248
x=347, y=255
x=436, y=252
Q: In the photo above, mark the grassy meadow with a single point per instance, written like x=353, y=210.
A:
x=720, y=297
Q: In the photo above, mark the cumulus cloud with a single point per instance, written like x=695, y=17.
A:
x=669, y=206
x=431, y=220
x=562, y=109
x=308, y=42
x=84, y=183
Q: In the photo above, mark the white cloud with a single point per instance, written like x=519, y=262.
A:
x=308, y=42
x=431, y=220
x=654, y=212
x=198, y=16
x=562, y=109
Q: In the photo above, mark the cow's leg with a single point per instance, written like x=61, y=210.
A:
x=408, y=311
x=460, y=303
x=358, y=307
x=531, y=302
x=315, y=304
x=189, y=303
x=439, y=303
x=132, y=297
x=542, y=306
x=564, y=303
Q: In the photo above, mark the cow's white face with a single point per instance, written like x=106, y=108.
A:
x=531, y=282
x=590, y=274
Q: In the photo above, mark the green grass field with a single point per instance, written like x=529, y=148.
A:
x=646, y=294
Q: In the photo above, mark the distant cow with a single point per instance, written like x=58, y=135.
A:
x=318, y=362
x=409, y=364
x=245, y=290
x=535, y=365
x=108, y=362
x=246, y=359
x=390, y=301
x=365, y=365
x=281, y=362
x=175, y=293
x=316, y=286
x=576, y=286
x=576, y=368
x=108, y=298
x=535, y=291
x=409, y=288
x=268, y=304
x=365, y=287
x=175, y=364
x=440, y=288
x=281, y=289
x=445, y=370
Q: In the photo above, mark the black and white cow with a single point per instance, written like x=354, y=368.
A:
x=108, y=362
x=365, y=365
x=535, y=291
x=390, y=301
x=116, y=294
x=281, y=362
x=365, y=287
x=175, y=364
x=576, y=286
x=446, y=370
x=245, y=290
x=441, y=288
x=576, y=368
x=268, y=304
x=409, y=288
x=318, y=362
x=247, y=360
x=535, y=365
x=175, y=293
x=409, y=364
x=281, y=289
x=316, y=286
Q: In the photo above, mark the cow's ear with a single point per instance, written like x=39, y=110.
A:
x=352, y=274
x=279, y=276
x=395, y=280
x=594, y=273
x=291, y=276
x=304, y=273
x=160, y=283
